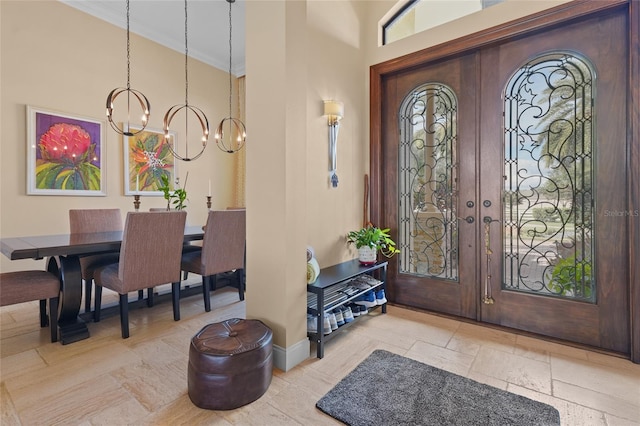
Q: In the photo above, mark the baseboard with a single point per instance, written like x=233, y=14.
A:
x=287, y=358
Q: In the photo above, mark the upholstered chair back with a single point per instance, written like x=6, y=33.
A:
x=151, y=249
x=224, y=241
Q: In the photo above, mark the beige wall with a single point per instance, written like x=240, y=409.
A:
x=57, y=58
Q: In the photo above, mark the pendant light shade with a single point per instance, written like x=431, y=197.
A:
x=237, y=134
x=131, y=94
x=186, y=108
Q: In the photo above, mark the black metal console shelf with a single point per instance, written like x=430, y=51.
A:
x=327, y=293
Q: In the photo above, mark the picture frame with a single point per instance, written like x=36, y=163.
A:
x=146, y=158
x=64, y=154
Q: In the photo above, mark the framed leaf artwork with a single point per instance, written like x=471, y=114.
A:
x=146, y=159
x=64, y=154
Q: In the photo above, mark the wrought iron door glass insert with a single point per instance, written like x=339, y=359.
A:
x=428, y=226
x=548, y=200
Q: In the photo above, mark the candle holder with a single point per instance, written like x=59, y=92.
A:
x=209, y=202
x=136, y=202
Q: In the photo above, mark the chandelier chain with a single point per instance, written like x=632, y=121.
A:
x=128, y=52
x=186, y=55
x=230, y=51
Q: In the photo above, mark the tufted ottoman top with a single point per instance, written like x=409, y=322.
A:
x=232, y=337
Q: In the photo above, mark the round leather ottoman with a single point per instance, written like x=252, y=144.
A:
x=230, y=364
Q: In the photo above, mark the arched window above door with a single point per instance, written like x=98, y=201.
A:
x=410, y=17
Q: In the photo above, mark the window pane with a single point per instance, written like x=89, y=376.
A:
x=419, y=15
x=548, y=192
x=428, y=226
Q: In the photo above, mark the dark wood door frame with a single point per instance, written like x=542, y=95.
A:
x=571, y=11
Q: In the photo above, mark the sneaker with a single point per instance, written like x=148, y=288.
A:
x=326, y=327
x=332, y=321
x=363, y=310
x=367, y=299
x=339, y=317
x=380, y=299
x=312, y=324
x=347, y=313
x=355, y=310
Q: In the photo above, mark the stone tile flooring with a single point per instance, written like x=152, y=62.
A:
x=106, y=380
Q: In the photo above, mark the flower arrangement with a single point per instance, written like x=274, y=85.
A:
x=177, y=197
x=374, y=238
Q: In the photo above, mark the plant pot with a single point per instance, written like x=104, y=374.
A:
x=367, y=255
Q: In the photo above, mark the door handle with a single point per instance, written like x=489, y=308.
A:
x=468, y=219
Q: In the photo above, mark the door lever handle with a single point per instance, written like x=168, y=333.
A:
x=468, y=219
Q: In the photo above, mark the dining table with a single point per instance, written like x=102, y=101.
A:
x=62, y=253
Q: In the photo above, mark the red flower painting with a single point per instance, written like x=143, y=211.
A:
x=66, y=159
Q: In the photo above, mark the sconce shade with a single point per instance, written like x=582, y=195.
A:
x=334, y=110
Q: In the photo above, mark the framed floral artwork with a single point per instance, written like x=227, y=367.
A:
x=146, y=159
x=64, y=154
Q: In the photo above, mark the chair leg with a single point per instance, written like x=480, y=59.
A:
x=205, y=294
x=185, y=274
x=44, y=320
x=87, y=295
x=98, y=304
x=238, y=275
x=53, y=313
x=213, y=282
x=140, y=294
x=124, y=315
x=175, y=295
x=150, y=297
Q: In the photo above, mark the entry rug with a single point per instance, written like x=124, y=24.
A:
x=389, y=389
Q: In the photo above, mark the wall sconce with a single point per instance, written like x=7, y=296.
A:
x=334, y=111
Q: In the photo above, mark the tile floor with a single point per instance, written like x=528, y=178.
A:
x=106, y=380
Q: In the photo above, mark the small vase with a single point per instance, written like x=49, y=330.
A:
x=367, y=255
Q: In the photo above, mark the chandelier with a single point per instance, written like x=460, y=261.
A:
x=137, y=95
x=235, y=125
x=200, y=116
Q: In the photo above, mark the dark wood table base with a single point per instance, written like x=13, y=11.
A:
x=72, y=328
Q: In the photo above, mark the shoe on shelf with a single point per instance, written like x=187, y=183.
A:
x=380, y=298
x=312, y=324
x=339, y=318
x=332, y=321
x=347, y=314
x=326, y=328
x=355, y=310
x=367, y=299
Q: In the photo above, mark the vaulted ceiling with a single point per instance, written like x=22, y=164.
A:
x=163, y=21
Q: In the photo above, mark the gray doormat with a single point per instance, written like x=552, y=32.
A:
x=389, y=389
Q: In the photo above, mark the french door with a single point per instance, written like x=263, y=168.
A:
x=503, y=177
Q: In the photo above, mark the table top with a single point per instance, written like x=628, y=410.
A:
x=41, y=246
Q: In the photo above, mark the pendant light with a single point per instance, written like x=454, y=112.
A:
x=236, y=124
x=142, y=100
x=201, y=117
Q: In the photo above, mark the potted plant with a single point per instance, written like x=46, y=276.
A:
x=371, y=240
x=176, y=197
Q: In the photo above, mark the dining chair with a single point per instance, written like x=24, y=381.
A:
x=26, y=286
x=186, y=247
x=94, y=220
x=223, y=249
x=149, y=256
